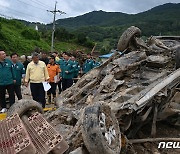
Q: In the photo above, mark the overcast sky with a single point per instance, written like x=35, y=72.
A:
x=36, y=10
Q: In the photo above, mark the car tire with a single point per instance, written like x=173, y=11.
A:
x=94, y=133
x=127, y=36
x=22, y=107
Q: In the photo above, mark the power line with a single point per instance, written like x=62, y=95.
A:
x=41, y=4
x=31, y=5
x=10, y=9
x=17, y=11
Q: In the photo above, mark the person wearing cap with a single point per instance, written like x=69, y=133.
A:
x=7, y=80
x=67, y=72
x=36, y=74
x=20, y=73
x=53, y=70
x=89, y=64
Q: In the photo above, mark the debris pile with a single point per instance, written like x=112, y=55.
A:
x=137, y=85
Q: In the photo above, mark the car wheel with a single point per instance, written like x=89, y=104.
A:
x=127, y=36
x=100, y=130
x=24, y=106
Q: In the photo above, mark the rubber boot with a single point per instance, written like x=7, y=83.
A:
x=54, y=99
x=49, y=99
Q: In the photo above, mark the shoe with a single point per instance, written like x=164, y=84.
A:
x=3, y=110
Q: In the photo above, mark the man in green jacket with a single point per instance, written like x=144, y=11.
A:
x=7, y=80
x=20, y=73
x=60, y=63
x=67, y=72
x=76, y=67
x=89, y=64
x=96, y=63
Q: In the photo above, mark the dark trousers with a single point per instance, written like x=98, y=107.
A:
x=60, y=86
x=53, y=89
x=10, y=89
x=66, y=83
x=75, y=80
x=17, y=89
x=38, y=93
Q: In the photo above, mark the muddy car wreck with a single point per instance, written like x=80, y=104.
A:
x=112, y=102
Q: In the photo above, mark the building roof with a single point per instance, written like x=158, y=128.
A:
x=107, y=55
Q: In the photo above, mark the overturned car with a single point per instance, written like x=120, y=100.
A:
x=117, y=98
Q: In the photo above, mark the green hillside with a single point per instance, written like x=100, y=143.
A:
x=16, y=37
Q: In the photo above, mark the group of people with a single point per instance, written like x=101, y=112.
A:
x=11, y=74
x=37, y=70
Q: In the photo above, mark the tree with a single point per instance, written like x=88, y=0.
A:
x=81, y=38
x=30, y=34
x=0, y=26
x=62, y=34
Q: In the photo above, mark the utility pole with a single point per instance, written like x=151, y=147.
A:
x=54, y=24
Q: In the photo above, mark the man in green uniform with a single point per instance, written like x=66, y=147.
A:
x=96, y=63
x=89, y=64
x=61, y=63
x=7, y=80
x=20, y=73
x=76, y=67
x=67, y=72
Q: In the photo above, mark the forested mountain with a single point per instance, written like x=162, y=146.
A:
x=105, y=28
x=164, y=14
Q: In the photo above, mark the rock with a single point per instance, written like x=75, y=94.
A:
x=77, y=151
